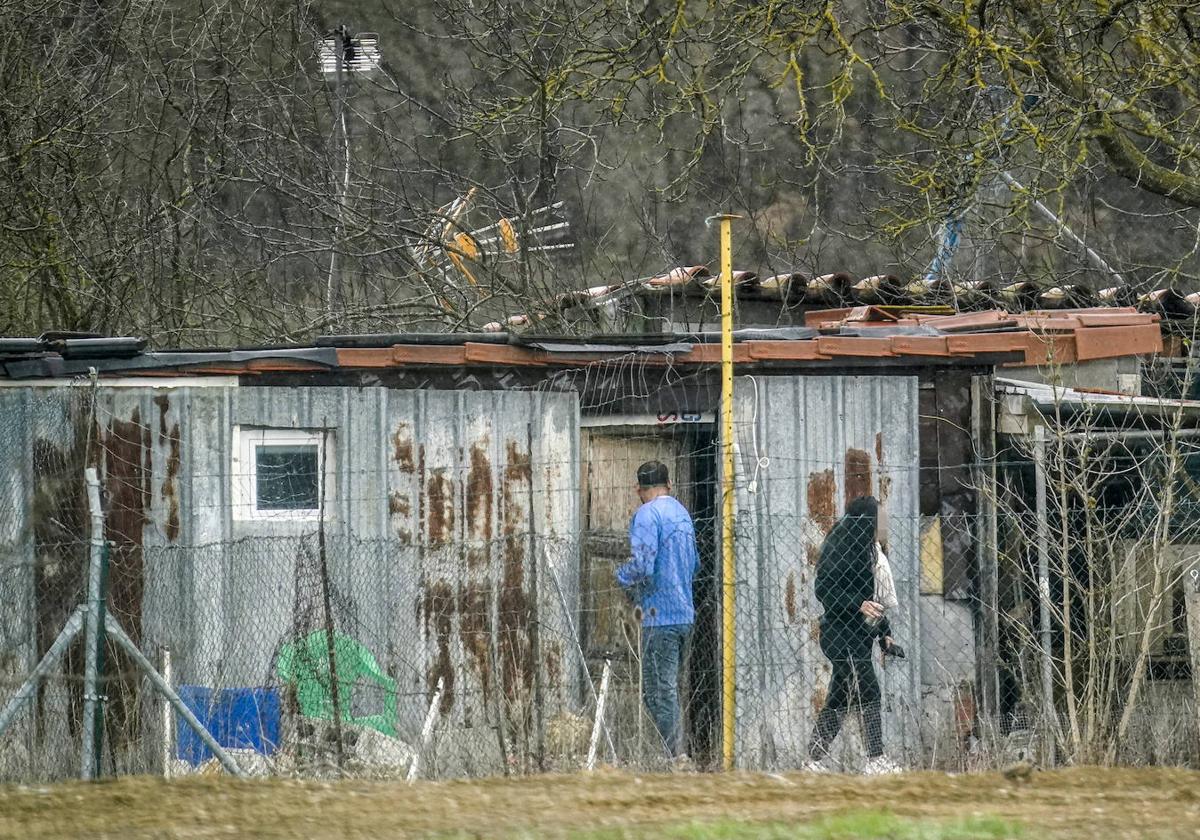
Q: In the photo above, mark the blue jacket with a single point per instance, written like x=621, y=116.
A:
x=659, y=575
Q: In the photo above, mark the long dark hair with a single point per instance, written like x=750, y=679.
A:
x=847, y=558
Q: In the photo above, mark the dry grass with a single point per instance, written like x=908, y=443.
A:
x=1080, y=803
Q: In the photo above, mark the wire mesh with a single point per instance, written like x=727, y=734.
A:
x=333, y=602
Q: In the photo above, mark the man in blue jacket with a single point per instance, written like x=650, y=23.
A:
x=658, y=578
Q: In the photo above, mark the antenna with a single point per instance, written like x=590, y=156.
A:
x=359, y=53
x=542, y=231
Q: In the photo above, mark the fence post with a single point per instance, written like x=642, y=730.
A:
x=140, y=660
x=598, y=723
x=94, y=634
x=535, y=622
x=28, y=688
x=1043, y=585
x=326, y=599
x=166, y=715
x=426, y=730
x=728, y=640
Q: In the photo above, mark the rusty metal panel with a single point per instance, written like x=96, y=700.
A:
x=483, y=495
x=448, y=511
x=443, y=507
x=806, y=445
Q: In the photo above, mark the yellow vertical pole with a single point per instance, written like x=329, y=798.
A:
x=728, y=651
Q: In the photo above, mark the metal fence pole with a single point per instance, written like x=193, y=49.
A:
x=335, y=686
x=74, y=624
x=1043, y=585
x=89, y=759
x=166, y=716
x=728, y=653
x=139, y=659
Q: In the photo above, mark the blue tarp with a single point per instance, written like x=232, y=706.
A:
x=238, y=718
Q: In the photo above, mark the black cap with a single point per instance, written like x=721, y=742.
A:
x=652, y=474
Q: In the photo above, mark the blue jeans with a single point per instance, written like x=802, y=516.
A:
x=663, y=652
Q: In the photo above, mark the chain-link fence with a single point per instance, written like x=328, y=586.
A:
x=439, y=597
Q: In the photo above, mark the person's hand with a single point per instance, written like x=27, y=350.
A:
x=871, y=610
x=887, y=644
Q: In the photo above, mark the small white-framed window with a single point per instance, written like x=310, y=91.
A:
x=277, y=473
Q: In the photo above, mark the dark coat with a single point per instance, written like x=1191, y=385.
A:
x=843, y=583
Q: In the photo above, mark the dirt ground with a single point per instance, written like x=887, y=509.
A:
x=1077, y=803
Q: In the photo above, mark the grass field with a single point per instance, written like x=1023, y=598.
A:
x=1079, y=803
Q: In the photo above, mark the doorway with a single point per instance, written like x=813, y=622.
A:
x=608, y=625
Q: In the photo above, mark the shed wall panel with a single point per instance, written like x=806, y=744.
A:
x=806, y=445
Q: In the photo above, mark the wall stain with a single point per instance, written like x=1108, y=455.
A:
x=518, y=467
x=554, y=664
x=422, y=502
x=812, y=553
x=59, y=516
x=399, y=504
x=515, y=651
x=789, y=597
x=821, y=504
x=170, y=485
x=479, y=492
x=127, y=474
x=858, y=474
x=403, y=449
x=437, y=609
x=515, y=609
x=439, y=496
x=474, y=618
x=879, y=447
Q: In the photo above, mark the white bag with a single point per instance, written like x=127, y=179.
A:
x=885, y=585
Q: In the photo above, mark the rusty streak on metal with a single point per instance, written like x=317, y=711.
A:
x=789, y=598
x=170, y=486
x=439, y=495
x=858, y=474
x=403, y=445
x=474, y=610
x=438, y=611
x=821, y=505
x=479, y=492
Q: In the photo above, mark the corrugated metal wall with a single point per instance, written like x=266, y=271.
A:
x=445, y=507
x=804, y=446
x=449, y=510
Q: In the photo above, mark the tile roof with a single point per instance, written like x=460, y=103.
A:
x=796, y=290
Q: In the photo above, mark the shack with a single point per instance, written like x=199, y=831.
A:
x=450, y=509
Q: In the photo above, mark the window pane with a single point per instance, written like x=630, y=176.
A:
x=287, y=477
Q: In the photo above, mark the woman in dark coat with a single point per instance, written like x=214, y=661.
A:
x=853, y=621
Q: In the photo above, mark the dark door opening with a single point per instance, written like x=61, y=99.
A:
x=704, y=665
x=608, y=626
